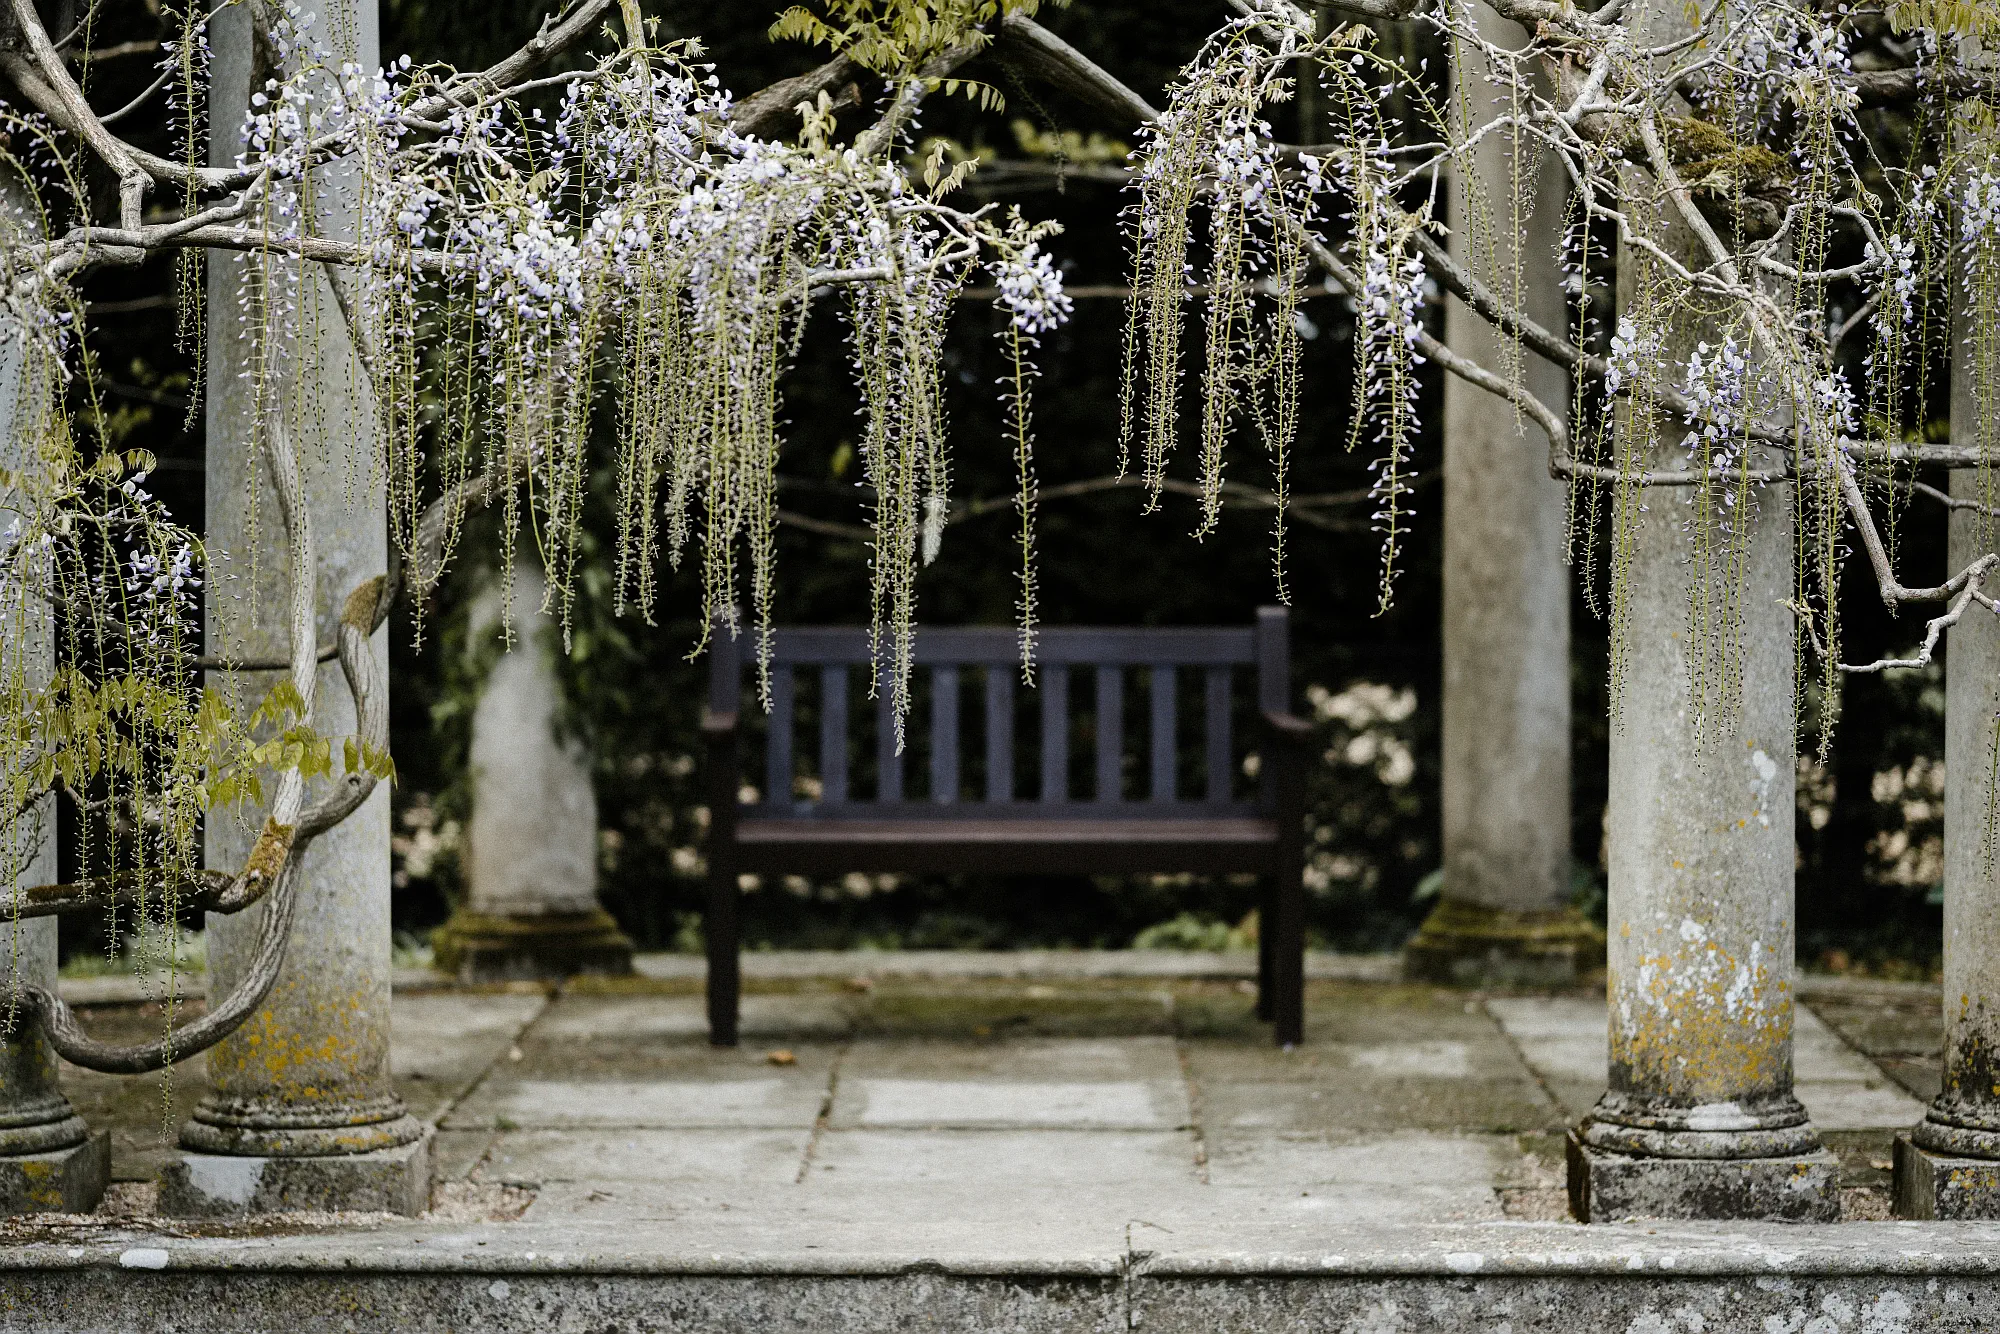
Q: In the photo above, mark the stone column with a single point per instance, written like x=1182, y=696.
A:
x=303, y=1115
x=1504, y=914
x=49, y=1160
x=1700, y=1120
x=531, y=852
x=1949, y=1165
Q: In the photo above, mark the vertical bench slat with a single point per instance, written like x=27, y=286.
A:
x=1110, y=732
x=778, y=740
x=888, y=764
x=1162, y=690
x=1274, y=660
x=1217, y=715
x=1000, y=732
x=833, y=732
x=944, y=732
x=1054, y=689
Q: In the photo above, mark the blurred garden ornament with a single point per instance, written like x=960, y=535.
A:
x=531, y=908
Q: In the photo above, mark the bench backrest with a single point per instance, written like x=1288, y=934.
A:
x=831, y=663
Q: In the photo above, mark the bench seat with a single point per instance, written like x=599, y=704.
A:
x=1030, y=846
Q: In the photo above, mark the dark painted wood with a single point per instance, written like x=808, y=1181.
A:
x=719, y=924
x=888, y=756
x=1199, y=646
x=1052, y=684
x=833, y=734
x=778, y=738
x=1000, y=733
x=1221, y=760
x=1110, y=734
x=1162, y=690
x=944, y=734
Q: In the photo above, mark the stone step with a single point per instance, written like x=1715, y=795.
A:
x=980, y=1262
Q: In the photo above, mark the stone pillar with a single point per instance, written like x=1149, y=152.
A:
x=1949, y=1165
x=531, y=853
x=303, y=1115
x=49, y=1160
x=1504, y=914
x=1700, y=1120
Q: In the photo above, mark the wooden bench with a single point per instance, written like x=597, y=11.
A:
x=1189, y=809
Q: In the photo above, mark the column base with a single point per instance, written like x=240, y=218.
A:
x=1607, y=1187
x=213, y=1185
x=61, y=1181
x=1469, y=945
x=1933, y=1185
x=489, y=947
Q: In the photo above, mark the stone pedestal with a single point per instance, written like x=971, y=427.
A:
x=207, y=1185
x=306, y=1078
x=1939, y=1186
x=1503, y=917
x=49, y=1160
x=1478, y=945
x=531, y=908
x=1607, y=1187
x=62, y=1181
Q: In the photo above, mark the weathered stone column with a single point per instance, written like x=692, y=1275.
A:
x=1700, y=1120
x=1504, y=913
x=49, y=1160
x=302, y=1115
x=1949, y=1165
x=531, y=852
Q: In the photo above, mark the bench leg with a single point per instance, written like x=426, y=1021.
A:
x=1288, y=956
x=1267, y=926
x=719, y=932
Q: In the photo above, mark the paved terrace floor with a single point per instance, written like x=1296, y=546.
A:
x=982, y=1074
x=1015, y=1113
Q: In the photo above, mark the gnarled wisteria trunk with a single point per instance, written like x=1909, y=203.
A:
x=1504, y=914
x=302, y=1113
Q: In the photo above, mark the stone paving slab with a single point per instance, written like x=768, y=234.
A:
x=1005, y=1160
x=629, y=1158
x=440, y=1043
x=743, y=1103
